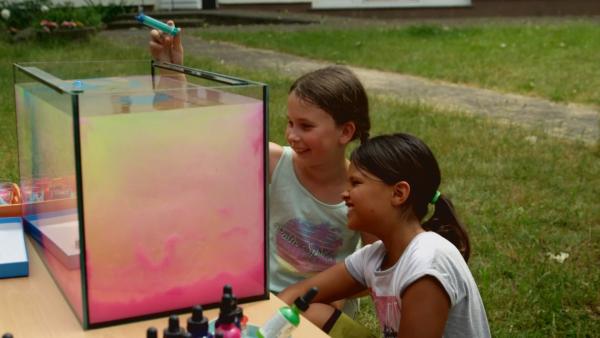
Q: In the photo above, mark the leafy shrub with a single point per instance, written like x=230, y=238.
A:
x=22, y=14
x=43, y=15
x=110, y=11
x=88, y=16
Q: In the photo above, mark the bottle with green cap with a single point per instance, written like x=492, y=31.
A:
x=287, y=318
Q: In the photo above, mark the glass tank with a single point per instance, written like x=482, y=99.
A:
x=143, y=184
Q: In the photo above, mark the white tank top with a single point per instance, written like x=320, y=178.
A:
x=306, y=236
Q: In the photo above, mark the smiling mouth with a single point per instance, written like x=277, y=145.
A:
x=301, y=151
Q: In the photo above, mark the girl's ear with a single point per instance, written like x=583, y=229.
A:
x=347, y=132
x=400, y=193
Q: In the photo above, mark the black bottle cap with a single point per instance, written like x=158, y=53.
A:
x=237, y=310
x=227, y=318
x=226, y=310
x=303, y=302
x=7, y=335
x=174, y=323
x=173, y=330
x=227, y=304
x=227, y=289
x=197, y=324
x=152, y=332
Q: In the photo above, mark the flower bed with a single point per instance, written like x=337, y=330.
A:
x=26, y=19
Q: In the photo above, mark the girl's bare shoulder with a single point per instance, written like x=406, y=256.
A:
x=275, y=153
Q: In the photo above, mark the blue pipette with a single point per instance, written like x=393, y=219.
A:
x=151, y=22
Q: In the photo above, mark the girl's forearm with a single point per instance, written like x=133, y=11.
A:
x=334, y=284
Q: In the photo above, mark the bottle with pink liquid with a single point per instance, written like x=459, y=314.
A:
x=225, y=324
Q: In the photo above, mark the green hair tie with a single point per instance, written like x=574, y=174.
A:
x=436, y=197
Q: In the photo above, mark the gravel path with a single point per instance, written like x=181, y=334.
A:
x=572, y=121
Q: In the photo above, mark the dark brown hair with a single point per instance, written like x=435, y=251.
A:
x=337, y=91
x=403, y=157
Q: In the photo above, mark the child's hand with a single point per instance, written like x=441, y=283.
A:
x=166, y=48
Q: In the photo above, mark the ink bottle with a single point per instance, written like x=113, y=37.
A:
x=225, y=323
x=174, y=330
x=197, y=324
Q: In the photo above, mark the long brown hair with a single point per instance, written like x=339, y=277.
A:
x=403, y=157
x=337, y=91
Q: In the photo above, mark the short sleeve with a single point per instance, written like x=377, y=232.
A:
x=354, y=266
x=357, y=263
x=438, y=266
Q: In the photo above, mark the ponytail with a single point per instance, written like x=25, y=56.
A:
x=445, y=222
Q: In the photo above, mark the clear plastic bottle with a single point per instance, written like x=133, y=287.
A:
x=287, y=318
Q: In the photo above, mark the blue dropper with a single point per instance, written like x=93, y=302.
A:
x=151, y=22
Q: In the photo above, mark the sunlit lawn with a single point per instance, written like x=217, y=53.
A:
x=524, y=195
x=552, y=59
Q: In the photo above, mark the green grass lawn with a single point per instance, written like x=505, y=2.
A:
x=556, y=60
x=524, y=195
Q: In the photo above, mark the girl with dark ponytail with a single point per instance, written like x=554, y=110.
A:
x=417, y=274
x=402, y=157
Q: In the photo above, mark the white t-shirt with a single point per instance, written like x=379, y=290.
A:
x=428, y=254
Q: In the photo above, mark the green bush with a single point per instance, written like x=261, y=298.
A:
x=87, y=16
x=42, y=15
x=110, y=11
x=23, y=14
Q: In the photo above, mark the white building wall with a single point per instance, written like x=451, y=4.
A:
x=239, y=2
x=104, y=2
x=323, y=4
x=360, y=3
x=177, y=4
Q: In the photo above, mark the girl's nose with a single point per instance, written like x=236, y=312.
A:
x=292, y=137
x=345, y=195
